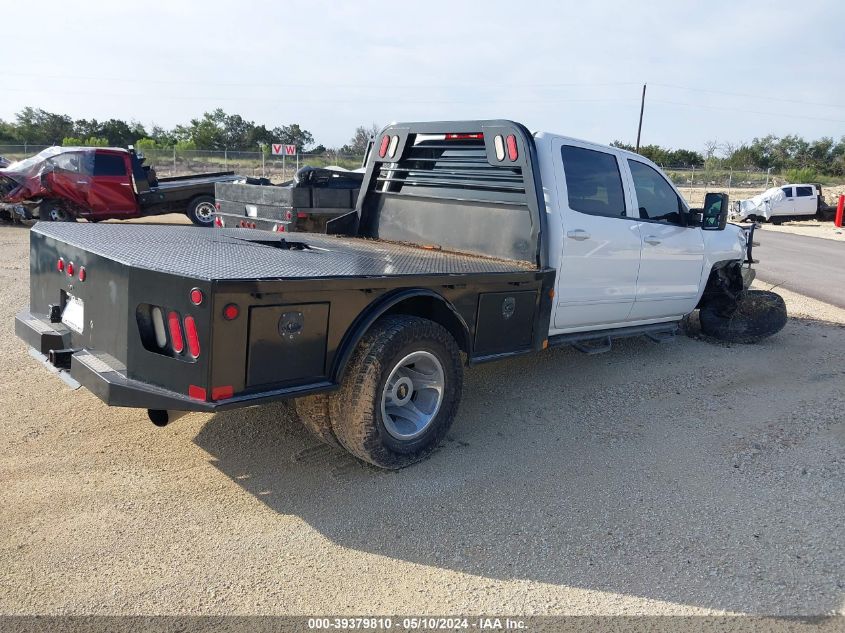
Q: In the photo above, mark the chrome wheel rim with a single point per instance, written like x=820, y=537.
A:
x=412, y=395
x=205, y=211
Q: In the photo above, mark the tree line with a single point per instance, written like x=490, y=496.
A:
x=776, y=153
x=215, y=130
x=218, y=130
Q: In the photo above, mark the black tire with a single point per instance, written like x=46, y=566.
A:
x=356, y=409
x=201, y=211
x=54, y=213
x=758, y=315
x=313, y=412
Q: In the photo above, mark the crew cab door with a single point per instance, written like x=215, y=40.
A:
x=787, y=205
x=600, y=257
x=111, y=192
x=672, y=252
x=805, y=200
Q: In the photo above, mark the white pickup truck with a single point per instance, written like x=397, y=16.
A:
x=780, y=203
x=468, y=237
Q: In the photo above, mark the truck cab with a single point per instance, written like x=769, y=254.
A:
x=627, y=248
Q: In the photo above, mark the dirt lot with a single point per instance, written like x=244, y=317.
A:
x=685, y=477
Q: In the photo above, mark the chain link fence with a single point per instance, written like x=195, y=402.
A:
x=175, y=162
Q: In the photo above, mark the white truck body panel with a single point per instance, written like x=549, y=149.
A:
x=623, y=270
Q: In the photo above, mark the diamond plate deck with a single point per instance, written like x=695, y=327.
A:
x=249, y=254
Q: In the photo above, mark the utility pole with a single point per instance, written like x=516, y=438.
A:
x=640, y=126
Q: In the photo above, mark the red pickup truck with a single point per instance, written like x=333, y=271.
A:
x=66, y=183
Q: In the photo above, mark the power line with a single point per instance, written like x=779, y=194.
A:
x=324, y=84
x=750, y=96
x=730, y=109
x=334, y=100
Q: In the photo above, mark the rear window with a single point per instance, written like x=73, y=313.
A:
x=803, y=192
x=593, y=181
x=109, y=165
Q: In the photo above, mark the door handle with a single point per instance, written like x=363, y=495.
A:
x=125, y=184
x=651, y=240
x=578, y=234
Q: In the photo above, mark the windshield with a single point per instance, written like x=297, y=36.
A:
x=27, y=163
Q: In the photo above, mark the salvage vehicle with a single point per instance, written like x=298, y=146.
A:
x=4, y=162
x=782, y=203
x=103, y=183
x=471, y=241
x=306, y=203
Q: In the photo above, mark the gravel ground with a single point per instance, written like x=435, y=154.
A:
x=684, y=477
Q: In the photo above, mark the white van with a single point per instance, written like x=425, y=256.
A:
x=779, y=202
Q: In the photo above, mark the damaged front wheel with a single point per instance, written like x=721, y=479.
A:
x=757, y=314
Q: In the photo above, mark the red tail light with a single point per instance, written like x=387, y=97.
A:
x=218, y=222
x=231, y=312
x=176, y=339
x=221, y=393
x=463, y=136
x=192, y=336
x=60, y=265
x=382, y=149
x=197, y=393
x=69, y=269
x=196, y=296
x=82, y=273
x=513, y=154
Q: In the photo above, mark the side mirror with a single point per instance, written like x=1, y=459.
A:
x=714, y=216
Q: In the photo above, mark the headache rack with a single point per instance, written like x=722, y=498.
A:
x=457, y=170
x=467, y=186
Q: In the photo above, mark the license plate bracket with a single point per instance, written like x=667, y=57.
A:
x=73, y=314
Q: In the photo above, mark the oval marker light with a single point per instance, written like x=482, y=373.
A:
x=382, y=150
x=513, y=154
x=499, y=144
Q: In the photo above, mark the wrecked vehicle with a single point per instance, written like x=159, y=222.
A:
x=102, y=183
x=470, y=242
x=4, y=162
x=781, y=203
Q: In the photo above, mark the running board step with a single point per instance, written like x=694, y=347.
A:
x=594, y=346
x=602, y=341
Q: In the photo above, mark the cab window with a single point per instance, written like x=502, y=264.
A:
x=656, y=199
x=68, y=161
x=593, y=181
x=803, y=192
x=109, y=165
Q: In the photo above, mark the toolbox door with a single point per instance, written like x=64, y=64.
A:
x=287, y=344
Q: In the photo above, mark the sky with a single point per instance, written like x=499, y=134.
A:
x=723, y=71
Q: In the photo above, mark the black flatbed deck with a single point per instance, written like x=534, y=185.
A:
x=237, y=254
x=176, y=182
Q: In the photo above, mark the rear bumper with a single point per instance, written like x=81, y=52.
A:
x=105, y=377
